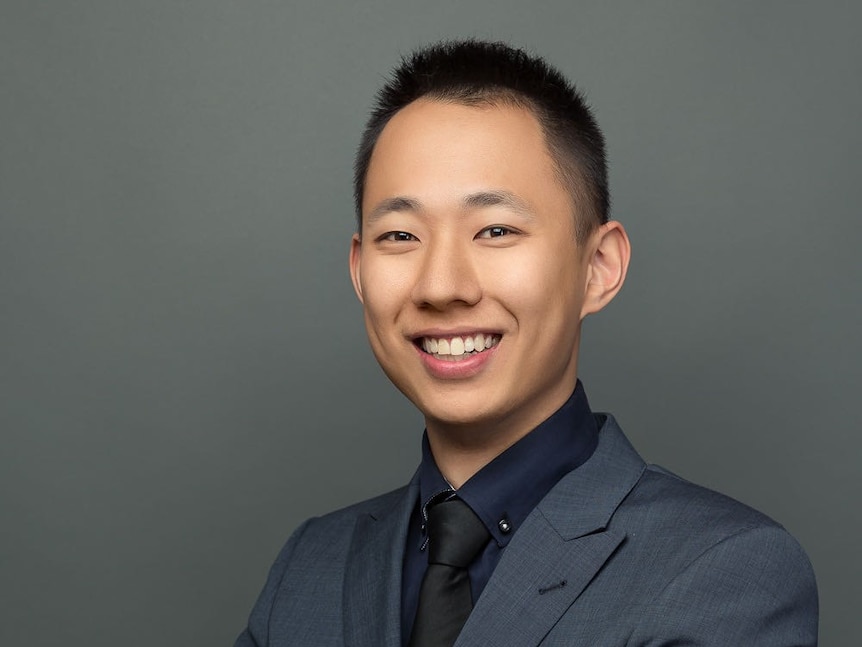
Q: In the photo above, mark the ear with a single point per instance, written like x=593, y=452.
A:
x=610, y=250
x=355, y=249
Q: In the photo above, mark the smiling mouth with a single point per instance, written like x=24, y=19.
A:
x=453, y=349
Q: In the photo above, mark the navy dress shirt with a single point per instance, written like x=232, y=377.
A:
x=501, y=494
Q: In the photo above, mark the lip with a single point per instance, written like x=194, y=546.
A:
x=461, y=369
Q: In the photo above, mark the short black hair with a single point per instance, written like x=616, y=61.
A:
x=481, y=73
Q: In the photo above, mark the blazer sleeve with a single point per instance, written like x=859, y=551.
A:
x=256, y=634
x=755, y=587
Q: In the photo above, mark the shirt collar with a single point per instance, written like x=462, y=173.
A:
x=507, y=489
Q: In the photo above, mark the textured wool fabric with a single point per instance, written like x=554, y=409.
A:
x=618, y=553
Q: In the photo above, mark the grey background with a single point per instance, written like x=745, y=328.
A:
x=184, y=374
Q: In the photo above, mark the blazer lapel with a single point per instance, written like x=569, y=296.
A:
x=558, y=550
x=372, y=581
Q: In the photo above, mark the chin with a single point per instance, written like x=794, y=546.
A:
x=461, y=414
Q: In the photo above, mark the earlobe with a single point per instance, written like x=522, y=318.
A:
x=608, y=264
x=355, y=249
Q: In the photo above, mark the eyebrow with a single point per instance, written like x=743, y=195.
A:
x=478, y=200
x=396, y=204
x=498, y=198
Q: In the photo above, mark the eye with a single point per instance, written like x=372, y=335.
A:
x=398, y=237
x=495, y=232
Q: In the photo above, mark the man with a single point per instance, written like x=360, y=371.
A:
x=484, y=240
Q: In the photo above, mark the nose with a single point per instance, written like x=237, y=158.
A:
x=447, y=276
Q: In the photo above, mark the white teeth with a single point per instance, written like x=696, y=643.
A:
x=459, y=346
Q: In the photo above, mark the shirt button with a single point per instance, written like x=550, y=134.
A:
x=504, y=525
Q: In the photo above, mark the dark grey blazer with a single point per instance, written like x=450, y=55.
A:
x=618, y=553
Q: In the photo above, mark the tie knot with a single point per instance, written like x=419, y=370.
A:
x=455, y=534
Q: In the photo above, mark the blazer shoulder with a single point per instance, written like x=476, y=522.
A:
x=309, y=569
x=690, y=520
x=749, y=575
x=663, y=504
x=376, y=507
x=326, y=538
x=681, y=501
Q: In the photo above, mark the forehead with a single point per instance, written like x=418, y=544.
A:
x=447, y=150
x=427, y=118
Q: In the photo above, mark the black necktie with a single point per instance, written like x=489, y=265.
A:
x=455, y=537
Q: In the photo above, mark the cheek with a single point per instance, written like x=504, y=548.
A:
x=539, y=279
x=385, y=289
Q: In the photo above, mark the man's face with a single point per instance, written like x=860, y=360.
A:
x=468, y=268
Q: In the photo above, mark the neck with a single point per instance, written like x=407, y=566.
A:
x=461, y=450
x=460, y=455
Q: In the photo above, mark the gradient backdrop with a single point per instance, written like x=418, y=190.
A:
x=184, y=375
